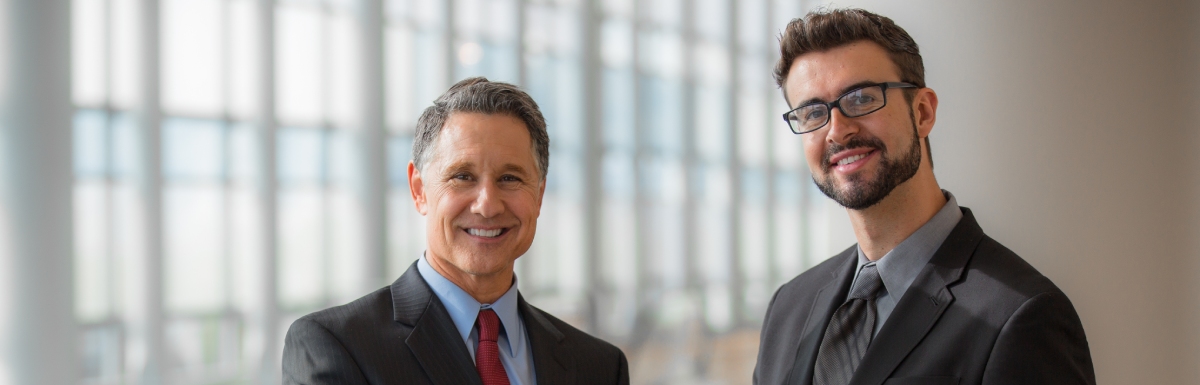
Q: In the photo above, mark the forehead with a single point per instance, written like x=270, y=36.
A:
x=484, y=138
x=825, y=74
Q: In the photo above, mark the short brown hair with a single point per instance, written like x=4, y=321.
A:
x=480, y=95
x=823, y=30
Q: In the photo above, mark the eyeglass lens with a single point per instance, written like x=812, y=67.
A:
x=853, y=104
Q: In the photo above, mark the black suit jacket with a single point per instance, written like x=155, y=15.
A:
x=402, y=334
x=976, y=314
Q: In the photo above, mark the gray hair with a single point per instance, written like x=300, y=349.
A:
x=479, y=95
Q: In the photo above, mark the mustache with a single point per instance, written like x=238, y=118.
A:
x=856, y=142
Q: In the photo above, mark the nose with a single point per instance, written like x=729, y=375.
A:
x=487, y=201
x=841, y=128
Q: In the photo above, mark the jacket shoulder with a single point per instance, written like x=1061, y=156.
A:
x=996, y=264
x=579, y=339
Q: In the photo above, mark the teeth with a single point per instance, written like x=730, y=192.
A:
x=852, y=159
x=484, y=233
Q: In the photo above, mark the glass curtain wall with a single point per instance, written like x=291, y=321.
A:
x=676, y=201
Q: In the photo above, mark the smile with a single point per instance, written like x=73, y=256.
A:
x=486, y=233
x=851, y=159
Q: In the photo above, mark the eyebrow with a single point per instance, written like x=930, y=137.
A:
x=844, y=90
x=467, y=166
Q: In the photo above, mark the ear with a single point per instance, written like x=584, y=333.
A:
x=925, y=111
x=416, y=188
x=541, y=195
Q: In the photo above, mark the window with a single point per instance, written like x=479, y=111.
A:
x=240, y=163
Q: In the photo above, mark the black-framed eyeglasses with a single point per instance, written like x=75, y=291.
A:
x=858, y=102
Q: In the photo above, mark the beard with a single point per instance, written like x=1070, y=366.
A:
x=864, y=194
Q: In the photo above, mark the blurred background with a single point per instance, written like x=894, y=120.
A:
x=181, y=179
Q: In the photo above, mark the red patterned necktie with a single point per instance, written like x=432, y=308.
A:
x=487, y=354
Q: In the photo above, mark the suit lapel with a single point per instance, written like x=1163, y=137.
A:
x=434, y=341
x=551, y=358
x=827, y=300
x=921, y=306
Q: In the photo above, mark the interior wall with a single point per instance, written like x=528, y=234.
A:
x=1064, y=127
x=1192, y=126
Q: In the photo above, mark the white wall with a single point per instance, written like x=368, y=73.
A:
x=1065, y=128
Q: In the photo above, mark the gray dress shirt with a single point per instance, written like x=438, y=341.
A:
x=899, y=267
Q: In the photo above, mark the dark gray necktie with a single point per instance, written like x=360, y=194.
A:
x=849, y=332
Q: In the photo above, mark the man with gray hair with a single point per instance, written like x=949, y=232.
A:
x=455, y=317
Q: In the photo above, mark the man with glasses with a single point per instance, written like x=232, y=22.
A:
x=925, y=297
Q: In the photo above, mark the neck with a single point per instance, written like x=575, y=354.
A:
x=880, y=228
x=485, y=288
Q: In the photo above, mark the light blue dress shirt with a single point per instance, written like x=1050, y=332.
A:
x=900, y=267
x=515, y=352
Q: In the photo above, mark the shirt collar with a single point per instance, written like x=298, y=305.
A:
x=464, y=309
x=900, y=267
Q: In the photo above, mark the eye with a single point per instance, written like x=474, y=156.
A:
x=510, y=178
x=814, y=113
x=859, y=98
x=462, y=176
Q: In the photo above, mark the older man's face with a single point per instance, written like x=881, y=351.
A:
x=480, y=193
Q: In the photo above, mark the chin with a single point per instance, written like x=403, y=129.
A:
x=485, y=264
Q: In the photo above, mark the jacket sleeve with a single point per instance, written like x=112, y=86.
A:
x=312, y=355
x=1041, y=343
x=762, y=341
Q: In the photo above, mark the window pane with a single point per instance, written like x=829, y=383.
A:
x=302, y=266
x=245, y=248
x=345, y=71
x=402, y=111
x=406, y=232
x=616, y=47
x=619, y=120
x=88, y=66
x=790, y=227
x=711, y=16
x=301, y=155
x=192, y=57
x=203, y=348
x=345, y=229
x=753, y=231
x=751, y=129
x=126, y=67
x=90, y=147
x=406, y=227
x=125, y=142
x=192, y=149
x=752, y=25
x=195, y=246
x=299, y=63
x=431, y=68
x=663, y=115
x=243, y=154
x=786, y=150
x=245, y=56
x=93, y=274
x=102, y=353
x=712, y=117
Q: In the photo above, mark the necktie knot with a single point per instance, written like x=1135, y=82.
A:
x=868, y=285
x=489, y=325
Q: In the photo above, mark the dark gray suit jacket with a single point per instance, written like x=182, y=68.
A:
x=402, y=334
x=976, y=314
